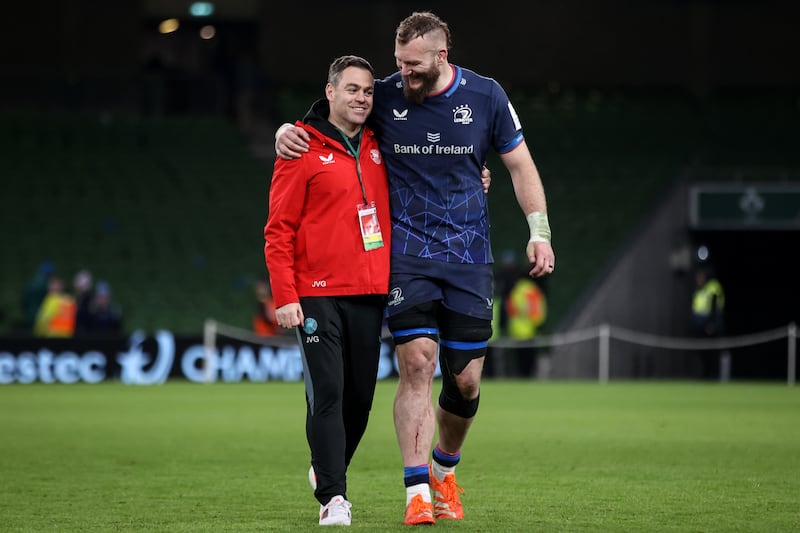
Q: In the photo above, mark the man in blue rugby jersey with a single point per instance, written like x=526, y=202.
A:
x=436, y=122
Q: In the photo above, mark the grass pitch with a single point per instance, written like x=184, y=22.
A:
x=541, y=456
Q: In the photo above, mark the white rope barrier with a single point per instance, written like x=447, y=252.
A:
x=678, y=343
x=603, y=333
x=244, y=335
x=722, y=343
x=556, y=339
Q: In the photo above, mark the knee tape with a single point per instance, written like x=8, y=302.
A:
x=450, y=399
x=455, y=356
x=418, y=321
x=464, y=328
x=463, y=338
x=452, y=361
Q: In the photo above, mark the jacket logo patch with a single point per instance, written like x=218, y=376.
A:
x=375, y=155
x=310, y=326
x=327, y=160
x=400, y=115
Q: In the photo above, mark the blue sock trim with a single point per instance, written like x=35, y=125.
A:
x=445, y=459
x=414, y=475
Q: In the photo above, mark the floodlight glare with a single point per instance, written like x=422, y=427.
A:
x=201, y=9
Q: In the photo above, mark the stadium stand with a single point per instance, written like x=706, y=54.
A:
x=170, y=209
x=605, y=157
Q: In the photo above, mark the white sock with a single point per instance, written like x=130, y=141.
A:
x=440, y=471
x=422, y=488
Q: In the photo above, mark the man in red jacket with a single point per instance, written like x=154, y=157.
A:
x=329, y=271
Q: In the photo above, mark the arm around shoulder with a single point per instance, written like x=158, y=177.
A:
x=291, y=141
x=283, y=127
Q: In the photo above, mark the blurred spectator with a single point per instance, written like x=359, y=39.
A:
x=526, y=306
x=708, y=321
x=56, y=316
x=264, y=321
x=82, y=292
x=34, y=293
x=105, y=316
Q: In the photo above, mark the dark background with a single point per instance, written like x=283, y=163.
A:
x=699, y=46
x=268, y=59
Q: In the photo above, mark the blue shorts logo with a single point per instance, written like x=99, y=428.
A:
x=395, y=296
x=310, y=326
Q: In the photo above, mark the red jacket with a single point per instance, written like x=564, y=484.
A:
x=313, y=238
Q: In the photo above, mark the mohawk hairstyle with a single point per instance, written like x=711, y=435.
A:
x=421, y=23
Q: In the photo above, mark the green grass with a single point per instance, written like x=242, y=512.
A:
x=541, y=456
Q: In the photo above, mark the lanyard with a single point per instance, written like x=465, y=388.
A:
x=355, y=152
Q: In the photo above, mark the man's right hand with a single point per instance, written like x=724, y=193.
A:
x=291, y=141
x=289, y=315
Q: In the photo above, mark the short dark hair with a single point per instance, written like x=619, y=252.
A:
x=420, y=23
x=343, y=62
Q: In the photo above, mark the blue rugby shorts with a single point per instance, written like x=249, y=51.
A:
x=465, y=288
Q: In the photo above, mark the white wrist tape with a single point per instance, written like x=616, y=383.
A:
x=540, y=227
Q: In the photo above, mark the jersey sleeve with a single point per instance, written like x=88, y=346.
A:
x=507, y=131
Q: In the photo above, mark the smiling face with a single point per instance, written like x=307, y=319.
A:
x=421, y=46
x=420, y=61
x=350, y=97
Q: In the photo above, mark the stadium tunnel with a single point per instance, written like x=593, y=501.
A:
x=759, y=273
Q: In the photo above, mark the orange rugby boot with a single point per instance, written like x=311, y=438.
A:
x=419, y=512
x=446, y=499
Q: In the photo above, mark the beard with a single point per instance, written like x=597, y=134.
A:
x=418, y=95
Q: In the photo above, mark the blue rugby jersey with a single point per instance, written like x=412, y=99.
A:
x=434, y=153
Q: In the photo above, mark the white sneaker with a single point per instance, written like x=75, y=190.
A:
x=336, y=513
x=312, y=478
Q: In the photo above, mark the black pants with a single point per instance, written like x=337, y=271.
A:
x=340, y=345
